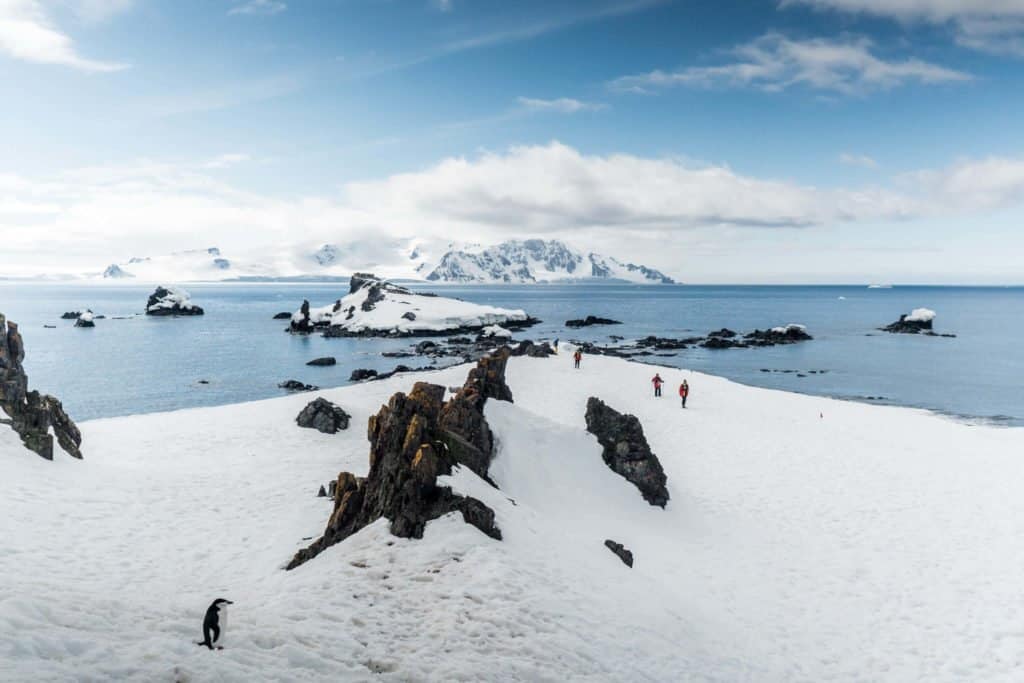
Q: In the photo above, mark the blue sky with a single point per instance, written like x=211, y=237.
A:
x=793, y=141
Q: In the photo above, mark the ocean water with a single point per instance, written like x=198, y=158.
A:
x=145, y=364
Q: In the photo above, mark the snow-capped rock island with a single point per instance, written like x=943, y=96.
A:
x=918, y=321
x=171, y=301
x=377, y=308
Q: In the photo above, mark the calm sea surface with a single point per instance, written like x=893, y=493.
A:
x=145, y=364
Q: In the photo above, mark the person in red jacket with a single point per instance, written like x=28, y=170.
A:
x=577, y=357
x=657, y=381
x=684, y=391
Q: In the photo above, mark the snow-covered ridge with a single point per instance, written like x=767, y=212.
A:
x=376, y=307
x=515, y=262
x=529, y=261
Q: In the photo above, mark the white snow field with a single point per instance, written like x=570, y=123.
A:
x=806, y=539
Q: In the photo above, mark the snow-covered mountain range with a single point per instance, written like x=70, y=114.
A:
x=529, y=261
x=512, y=262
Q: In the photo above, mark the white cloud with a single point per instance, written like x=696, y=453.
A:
x=226, y=160
x=862, y=160
x=564, y=105
x=27, y=33
x=98, y=11
x=988, y=25
x=773, y=62
x=87, y=216
x=263, y=8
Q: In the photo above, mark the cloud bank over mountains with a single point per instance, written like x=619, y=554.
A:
x=77, y=218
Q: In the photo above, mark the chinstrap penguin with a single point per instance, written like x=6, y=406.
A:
x=212, y=622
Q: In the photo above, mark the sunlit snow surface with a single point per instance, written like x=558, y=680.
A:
x=806, y=540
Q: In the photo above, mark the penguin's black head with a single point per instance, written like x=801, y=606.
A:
x=221, y=601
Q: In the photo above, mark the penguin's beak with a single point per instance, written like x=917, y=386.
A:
x=229, y=602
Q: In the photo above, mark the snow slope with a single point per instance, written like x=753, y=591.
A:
x=806, y=540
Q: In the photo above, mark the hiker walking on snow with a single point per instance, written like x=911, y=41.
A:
x=657, y=381
x=556, y=344
x=577, y=357
x=684, y=391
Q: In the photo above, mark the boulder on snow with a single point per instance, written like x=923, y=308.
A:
x=36, y=417
x=591, y=320
x=296, y=385
x=621, y=551
x=322, y=493
x=324, y=416
x=323, y=362
x=171, y=301
x=528, y=348
x=626, y=451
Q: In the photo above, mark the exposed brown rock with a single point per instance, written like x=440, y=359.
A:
x=31, y=414
x=626, y=451
x=414, y=439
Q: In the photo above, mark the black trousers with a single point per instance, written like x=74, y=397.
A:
x=657, y=391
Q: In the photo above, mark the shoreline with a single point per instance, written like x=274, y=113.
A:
x=993, y=421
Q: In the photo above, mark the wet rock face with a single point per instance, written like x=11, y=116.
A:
x=626, y=451
x=591, y=320
x=31, y=414
x=625, y=555
x=296, y=385
x=414, y=439
x=324, y=416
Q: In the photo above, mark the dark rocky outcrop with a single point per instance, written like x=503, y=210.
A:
x=786, y=334
x=528, y=348
x=620, y=550
x=296, y=385
x=86, y=319
x=359, y=374
x=70, y=315
x=626, y=451
x=414, y=439
x=322, y=493
x=165, y=302
x=323, y=362
x=591, y=320
x=31, y=414
x=324, y=416
x=283, y=315
x=909, y=323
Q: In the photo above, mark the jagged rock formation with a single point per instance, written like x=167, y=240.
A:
x=413, y=439
x=591, y=320
x=324, y=416
x=625, y=555
x=171, y=301
x=31, y=414
x=626, y=451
